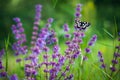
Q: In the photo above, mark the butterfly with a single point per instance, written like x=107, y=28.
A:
x=79, y=25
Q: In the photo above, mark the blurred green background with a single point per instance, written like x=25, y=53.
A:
x=102, y=14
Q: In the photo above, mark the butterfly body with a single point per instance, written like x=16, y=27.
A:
x=79, y=25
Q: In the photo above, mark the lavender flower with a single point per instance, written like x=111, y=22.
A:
x=1, y=66
x=36, y=23
x=18, y=31
x=2, y=52
x=78, y=9
x=50, y=20
x=18, y=60
x=101, y=60
x=67, y=36
x=56, y=49
x=112, y=68
x=87, y=50
x=92, y=40
x=14, y=77
x=3, y=74
x=30, y=71
x=66, y=27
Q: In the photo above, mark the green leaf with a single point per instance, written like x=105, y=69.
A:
x=108, y=33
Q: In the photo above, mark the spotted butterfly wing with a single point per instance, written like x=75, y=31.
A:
x=79, y=25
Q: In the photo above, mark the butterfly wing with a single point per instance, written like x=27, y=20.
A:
x=84, y=25
x=79, y=25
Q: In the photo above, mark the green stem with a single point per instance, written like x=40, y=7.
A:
x=6, y=50
x=6, y=69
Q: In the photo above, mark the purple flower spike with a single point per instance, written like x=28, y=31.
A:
x=101, y=59
x=14, y=77
x=92, y=40
x=38, y=8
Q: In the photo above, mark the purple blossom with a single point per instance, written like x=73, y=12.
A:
x=103, y=65
x=14, y=77
x=18, y=60
x=2, y=52
x=35, y=28
x=77, y=14
x=36, y=23
x=87, y=50
x=30, y=71
x=70, y=77
x=78, y=9
x=67, y=42
x=3, y=74
x=101, y=59
x=77, y=34
x=67, y=36
x=112, y=68
x=66, y=27
x=114, y=61
x=1, y=66
x=17, y=20
x=92, y=40
x=50, y=20
x=56, y=49
x=85, y=58
x=41, y=43
x=68, y=68
x=82, y=34
x=99, y=54
x=79, y=5
x=116, y=55
x=76, y=54
x=118, y=47
x=45, y=56
x=48, y=25
x=61, y=60
x=18, y=31
x=63, y=74
x=46, y=49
